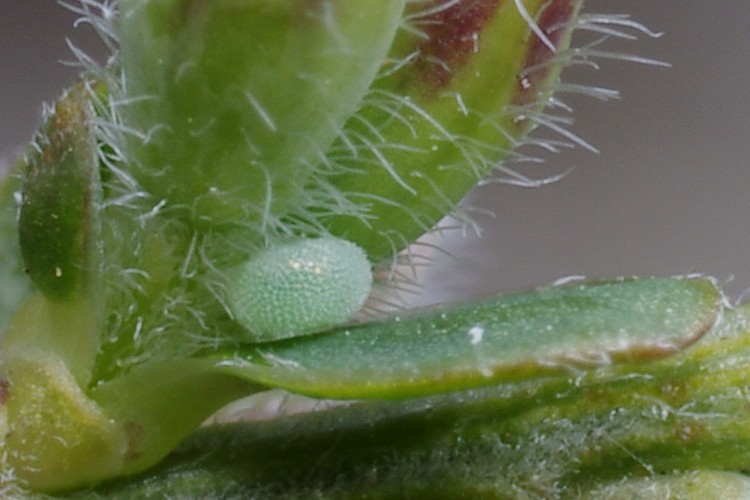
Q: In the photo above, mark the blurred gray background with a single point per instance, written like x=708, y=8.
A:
x=667, y=195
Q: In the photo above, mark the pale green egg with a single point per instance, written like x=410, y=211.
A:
x=299, y=287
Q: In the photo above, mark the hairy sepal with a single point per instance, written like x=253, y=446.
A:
x=230, y=103
x=60, y=238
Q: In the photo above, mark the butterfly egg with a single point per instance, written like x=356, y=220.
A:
x=299, y=287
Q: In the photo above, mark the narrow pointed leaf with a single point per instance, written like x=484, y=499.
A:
x=517, y=337
x=58, y=221
x=634, y=429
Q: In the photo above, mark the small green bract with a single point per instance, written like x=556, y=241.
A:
x=298, y=288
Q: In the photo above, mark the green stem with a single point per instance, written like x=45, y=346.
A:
x=61, y=437
x=160, y=403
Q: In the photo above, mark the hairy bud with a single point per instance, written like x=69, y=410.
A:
x=231, y=102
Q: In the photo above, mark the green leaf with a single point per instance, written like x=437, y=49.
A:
x=516, y=337
x=59, y=233
x=58, y=222
x=551, y=437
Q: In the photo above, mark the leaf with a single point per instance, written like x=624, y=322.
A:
x=58, y=221
x=555, y=330
x=553, y=437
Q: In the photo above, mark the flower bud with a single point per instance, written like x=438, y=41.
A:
x=446, y=113
x=231, y=102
